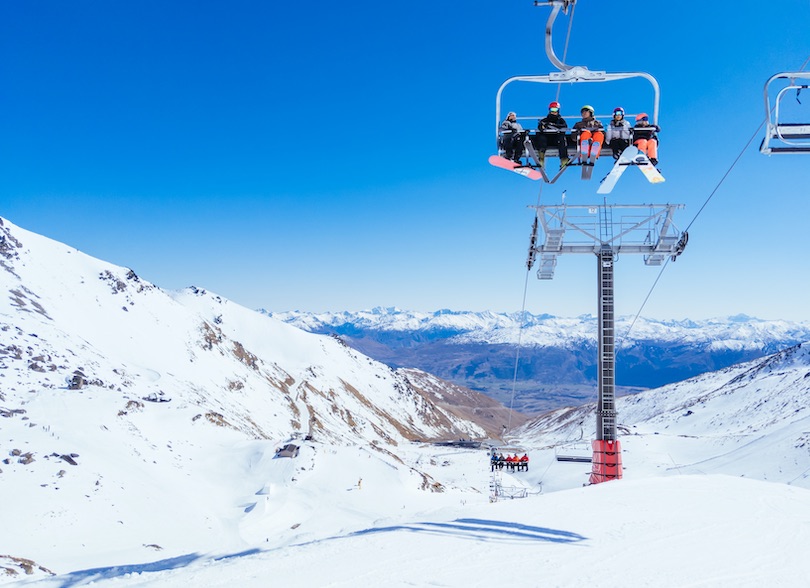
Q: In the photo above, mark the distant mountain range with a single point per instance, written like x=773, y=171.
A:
x=557, y=358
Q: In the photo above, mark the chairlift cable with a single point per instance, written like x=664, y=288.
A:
x=517, y=351
x=806, y=61
x=754, y=136
x=643, y=304
x=520, y=333
x=686, y=230
x=725, y=175
x=543, y=475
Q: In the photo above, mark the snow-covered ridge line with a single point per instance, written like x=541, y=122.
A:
x=65, y=313
x=462, y=327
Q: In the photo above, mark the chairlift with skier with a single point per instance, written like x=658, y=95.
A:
x=534, y=166
x=509, y=457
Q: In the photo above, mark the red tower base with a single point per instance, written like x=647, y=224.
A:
x=607, y=461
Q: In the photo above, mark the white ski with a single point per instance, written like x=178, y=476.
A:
x=626, y=159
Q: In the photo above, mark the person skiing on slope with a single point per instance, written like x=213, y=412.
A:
x=591, y=135
x=619, y=133
x=552, y=130
x=645, y=137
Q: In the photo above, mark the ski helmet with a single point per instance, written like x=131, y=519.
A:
x=554, y=105
x=589, y=108
x=642, y=116
x=618, y=110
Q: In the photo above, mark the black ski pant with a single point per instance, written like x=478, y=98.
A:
x=617, y=146
x=513, y=145
x=543, y=141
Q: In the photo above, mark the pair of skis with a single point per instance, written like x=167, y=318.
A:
x=630, y=157
x=587, y=162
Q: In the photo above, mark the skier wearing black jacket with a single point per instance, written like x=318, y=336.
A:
x=645, y=137
x=552, y=133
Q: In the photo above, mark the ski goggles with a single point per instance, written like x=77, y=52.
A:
x=554, y=110
x=644, y=118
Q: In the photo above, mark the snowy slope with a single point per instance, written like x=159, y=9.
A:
x=189, y=491
x=751, y=420
x=66, y=311
x=183, y=393
x=707, y=531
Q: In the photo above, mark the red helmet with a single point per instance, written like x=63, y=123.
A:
x=642, y=116
x=554, y=104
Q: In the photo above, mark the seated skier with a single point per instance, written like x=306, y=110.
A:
x=552, y=132
x=619, y=133
x=524, y=462
x=645, y=137
x=590, y=135
x=512, y=137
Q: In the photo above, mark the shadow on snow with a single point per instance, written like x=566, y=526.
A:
x=82, y=577
x=473, y=529
x=481, y=529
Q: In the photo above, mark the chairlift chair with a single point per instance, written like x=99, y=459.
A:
x=785, y=137
x=569, y=74
x=512, y=449
x=577, y=452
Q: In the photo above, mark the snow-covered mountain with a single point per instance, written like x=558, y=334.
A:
x=557, y=356
x=751, y=419
x=139, y=428
x=66, y=314
x=110, y=386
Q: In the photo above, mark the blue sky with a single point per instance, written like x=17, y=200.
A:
x=333, y=156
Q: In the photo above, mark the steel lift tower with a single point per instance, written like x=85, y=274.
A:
x=606, y=231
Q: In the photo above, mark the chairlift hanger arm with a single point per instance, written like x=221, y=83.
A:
x=556, y=6
x=787, y=75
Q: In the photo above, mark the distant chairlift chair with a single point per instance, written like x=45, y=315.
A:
x=783, y=137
